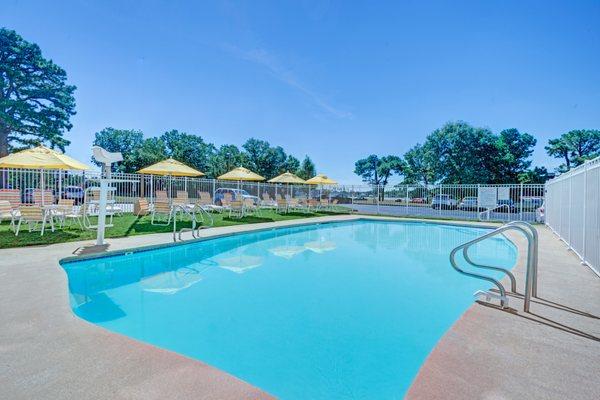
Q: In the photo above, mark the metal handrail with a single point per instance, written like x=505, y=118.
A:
x=195, y=229
x=489, y=210
x=534, y=266
x=531, y=261
x=182, y=208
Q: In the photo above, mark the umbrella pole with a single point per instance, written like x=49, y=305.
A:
x=42, y=184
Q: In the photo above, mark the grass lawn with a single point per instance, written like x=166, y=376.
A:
x=128, y=225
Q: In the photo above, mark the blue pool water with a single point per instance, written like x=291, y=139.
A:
x=330, y=311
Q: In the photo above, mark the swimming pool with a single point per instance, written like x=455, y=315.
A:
x=329, y=311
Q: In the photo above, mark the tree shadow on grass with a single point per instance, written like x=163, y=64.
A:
x=25, y=238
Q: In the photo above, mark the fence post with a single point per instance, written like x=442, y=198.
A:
x=406, y=187
x=569, y=207
x=377, y=199
x=521, y=202
x=585, y=170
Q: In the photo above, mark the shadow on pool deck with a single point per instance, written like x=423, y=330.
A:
x=553, y=352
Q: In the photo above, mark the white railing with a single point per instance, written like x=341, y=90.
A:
x=516, y=202
x=573, y=211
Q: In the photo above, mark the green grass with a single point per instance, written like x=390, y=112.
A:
x=130, y=225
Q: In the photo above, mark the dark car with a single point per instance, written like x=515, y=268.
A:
x=73, y=192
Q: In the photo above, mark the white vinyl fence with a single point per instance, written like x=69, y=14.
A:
x=467, y=202
x=573, y=210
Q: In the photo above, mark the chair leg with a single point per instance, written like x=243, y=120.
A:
x=18, y=227
x=43, y=226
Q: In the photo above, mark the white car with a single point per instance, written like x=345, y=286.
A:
x=441, y=201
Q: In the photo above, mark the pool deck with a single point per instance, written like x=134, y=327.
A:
x=48, y=353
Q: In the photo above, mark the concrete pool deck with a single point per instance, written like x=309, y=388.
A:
x=47, y=352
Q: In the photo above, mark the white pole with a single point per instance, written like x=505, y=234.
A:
x=102, y=212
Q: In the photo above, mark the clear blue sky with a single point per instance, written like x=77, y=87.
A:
x=336, y=80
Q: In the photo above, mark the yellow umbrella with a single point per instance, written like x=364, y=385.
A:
x=241, y=174
x=321, y=179
x=287, y=177
x=41, y=157
x=170, y=167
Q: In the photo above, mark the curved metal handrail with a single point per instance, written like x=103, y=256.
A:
x=185, y=210
x=530, y=261
x=534, y=266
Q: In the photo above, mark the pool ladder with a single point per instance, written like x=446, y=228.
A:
x=195, y=229
x=531, y=271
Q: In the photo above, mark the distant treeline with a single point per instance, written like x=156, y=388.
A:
x=461, y=153
x=257, y=155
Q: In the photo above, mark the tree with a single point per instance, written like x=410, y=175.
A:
x=292, y=164
x=377, y=171
x=265, y=160
x=125, y=141
x=575, y=147
x=417, y=169
x=35, y=101
x=151, y=151
x=461, y=153
x=189, y=149
x=535, y=175
x=307, y=169
x=226, y=158
x=512, y=157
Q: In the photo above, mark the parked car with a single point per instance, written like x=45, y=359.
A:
x=73, y=192
x=506, y=206
x=444, y=201
x=469, y=204
x=236, y=194
x=418, y=200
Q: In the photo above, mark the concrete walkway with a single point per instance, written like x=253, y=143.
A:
x=48, y=353
x=553, y=352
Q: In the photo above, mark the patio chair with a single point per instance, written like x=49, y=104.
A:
x=162, y=195
x=43, y=197
x=312, y=204
x=64, y=207
x=251, y=207
x=13, y=196
x=93, y=199
x=236, y=208
x=282, y=206
x=206, y=201
x=267, y=201
x=226, y=201
x=162, y=209
x=78, y=214
x=32, y=215
x=294, y=205
x=141, y=207
x=7, y=212
x=182, y=198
